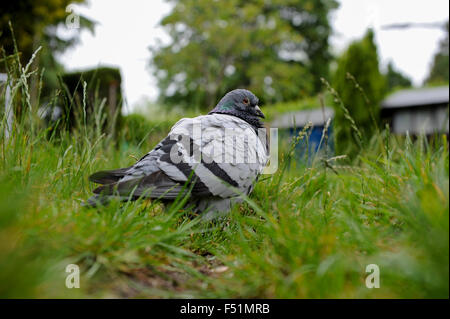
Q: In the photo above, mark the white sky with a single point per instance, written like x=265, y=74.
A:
x=126, y=29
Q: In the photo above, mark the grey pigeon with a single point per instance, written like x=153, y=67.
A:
x=217, y=157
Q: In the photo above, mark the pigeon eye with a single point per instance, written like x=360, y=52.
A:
x=245, y=101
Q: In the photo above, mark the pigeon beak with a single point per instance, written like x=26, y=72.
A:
x=258, y=112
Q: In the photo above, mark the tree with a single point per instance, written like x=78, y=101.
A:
x=361, y=87
x=395, y=79
x=440, y=66
x=35, y=24
x=310, y=20
x=271, y=48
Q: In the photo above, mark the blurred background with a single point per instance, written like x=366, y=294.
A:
x=410, y=49
x=160, y=60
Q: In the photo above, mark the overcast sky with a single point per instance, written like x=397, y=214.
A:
x=126, y=29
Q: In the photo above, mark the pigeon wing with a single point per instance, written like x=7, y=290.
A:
x=198, y=151
x=217, y=150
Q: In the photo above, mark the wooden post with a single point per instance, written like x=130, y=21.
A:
x=8, y=106
x=112, y=105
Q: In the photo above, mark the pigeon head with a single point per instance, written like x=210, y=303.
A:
x=243, y=104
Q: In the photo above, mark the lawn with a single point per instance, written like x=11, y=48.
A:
x=307, y=231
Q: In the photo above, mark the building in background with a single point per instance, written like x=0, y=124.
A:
x=290, y=124
x=417, y=111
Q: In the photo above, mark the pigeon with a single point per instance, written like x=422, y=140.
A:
x=214, y=159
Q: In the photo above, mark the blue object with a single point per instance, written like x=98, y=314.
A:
x=311, y=144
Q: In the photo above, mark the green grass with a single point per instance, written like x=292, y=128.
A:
x=307, y=231
x=272, y=111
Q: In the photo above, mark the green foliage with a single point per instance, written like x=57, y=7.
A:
x=360, y=87
x=310, y=19
x=314, y=235
x=35, y=24
x=272, y=110
x=440, y=68
x=138, y=130
x=103, y=89
x=272, y=48
x=308, y=231
x=395, y=79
